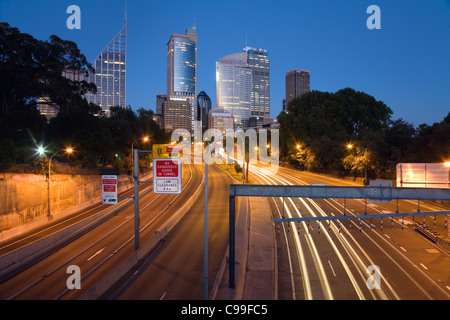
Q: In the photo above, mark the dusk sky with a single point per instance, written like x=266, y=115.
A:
x=405, y=64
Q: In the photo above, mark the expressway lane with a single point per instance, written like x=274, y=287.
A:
x=175, y=269
x=333, y=264
x=100, y=250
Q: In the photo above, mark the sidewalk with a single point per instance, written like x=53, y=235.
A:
x=255, y=254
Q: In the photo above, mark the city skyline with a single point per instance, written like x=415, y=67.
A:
x=404, y=64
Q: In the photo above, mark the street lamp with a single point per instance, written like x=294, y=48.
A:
x=145, y=139
x=350, y=146
x=41, y=151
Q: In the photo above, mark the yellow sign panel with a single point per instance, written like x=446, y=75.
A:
x=165, y=151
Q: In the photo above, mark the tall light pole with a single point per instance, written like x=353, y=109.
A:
x=145, y=139
x=350, y=146
x=42, y=151
x=206, y=155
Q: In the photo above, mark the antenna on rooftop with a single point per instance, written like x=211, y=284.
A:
x=126, y=5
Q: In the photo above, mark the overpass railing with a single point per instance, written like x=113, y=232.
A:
x=379, y=194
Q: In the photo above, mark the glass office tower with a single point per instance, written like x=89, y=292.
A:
x=110, y=74
x=182, y=74
x=203, y=108
x=234, y=87
x=259, y=63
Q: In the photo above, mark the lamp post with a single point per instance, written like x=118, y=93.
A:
x=145, y=139
x=206, y=155
x=350, y=146
x=41, y=151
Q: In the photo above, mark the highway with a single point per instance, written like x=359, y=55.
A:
x=174, y=271
x=352, y=260
x=322, y=261
x=100, y=250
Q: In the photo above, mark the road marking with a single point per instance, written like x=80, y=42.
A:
x=331, y=268
x=423, y=266
x=162, y=297
x=403, y=249
x=448, y=287
x=98, y=252
x=387, y=236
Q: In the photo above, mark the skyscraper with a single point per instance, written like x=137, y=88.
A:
x=110, y=74
x=160, y=98
x=297, y=83
x=234, y=87
x=259, y=63
x=182, y=76
x=177, y=113
x=203, y=108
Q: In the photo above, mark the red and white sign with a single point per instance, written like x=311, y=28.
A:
x=109, y=189
x=167, y=176
x=171, y=148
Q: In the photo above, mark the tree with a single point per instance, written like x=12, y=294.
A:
x=323, y=123
x=148, y=126
x=30, y=69
x=431, y=143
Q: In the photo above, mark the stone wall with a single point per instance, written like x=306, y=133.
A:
x=24, y=197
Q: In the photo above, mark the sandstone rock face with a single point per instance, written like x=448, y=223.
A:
x=24, y=197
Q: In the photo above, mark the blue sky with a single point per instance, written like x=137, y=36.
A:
x=405, y=64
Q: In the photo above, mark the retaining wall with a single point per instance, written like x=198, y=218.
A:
x=24, y=197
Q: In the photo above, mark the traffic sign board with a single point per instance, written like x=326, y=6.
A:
x=166, y=151
x=167, y=175
x=109, y=189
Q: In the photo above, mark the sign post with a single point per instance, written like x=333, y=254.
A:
x=136, y=198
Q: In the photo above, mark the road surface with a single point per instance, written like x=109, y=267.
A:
x=174, y=271
x=338, y=261
x=97, y=252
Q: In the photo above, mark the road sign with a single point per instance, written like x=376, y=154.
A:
x=423, y=175
x=167, y=175
x=109, y=189
x=166, y=151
